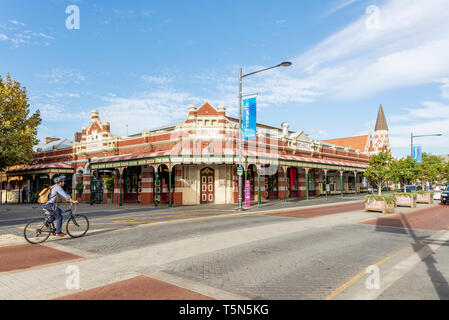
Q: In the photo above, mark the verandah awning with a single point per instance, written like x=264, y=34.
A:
x=56, y=167
x=251, y=157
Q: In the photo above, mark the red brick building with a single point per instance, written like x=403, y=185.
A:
x=195, y=162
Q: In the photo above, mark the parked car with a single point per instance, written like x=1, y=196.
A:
x=437, y=192
x=445, y=196
x=411, y=188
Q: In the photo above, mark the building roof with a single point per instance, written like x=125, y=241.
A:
x=52, y=145
x=354, y=143
x=381, y=123
x=55, y=165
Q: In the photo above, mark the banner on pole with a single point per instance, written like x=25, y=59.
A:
x=247, y=193
x=249, y=119
x=417, y=154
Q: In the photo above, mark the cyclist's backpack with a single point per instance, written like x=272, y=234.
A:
x=44, y=194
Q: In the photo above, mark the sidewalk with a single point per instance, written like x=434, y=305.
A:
x=265, y=205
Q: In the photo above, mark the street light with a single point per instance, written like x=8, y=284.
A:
x=241, y=76
x=424, y=135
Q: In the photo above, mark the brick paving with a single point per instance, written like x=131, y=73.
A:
x=138, y=288
x=308, y=213
x=433, y=218
x=29, y=255
x=262, y=256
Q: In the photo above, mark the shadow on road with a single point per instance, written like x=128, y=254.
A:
x=401, y=225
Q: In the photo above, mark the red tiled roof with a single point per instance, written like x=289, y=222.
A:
x=355, y=143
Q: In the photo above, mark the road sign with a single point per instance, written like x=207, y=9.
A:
x=239, y=171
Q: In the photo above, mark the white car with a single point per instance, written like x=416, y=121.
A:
x=437, y=193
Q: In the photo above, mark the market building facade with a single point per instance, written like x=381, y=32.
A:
x=192, y=162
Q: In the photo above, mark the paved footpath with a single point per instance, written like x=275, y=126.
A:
x=318, y=252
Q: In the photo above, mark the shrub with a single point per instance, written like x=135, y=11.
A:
x=79, y=186
x=109, y=184
x=424, y=192
x=413, y=195
x=388, y=199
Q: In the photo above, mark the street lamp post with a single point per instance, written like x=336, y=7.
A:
x=241, y=76
x=424, y=135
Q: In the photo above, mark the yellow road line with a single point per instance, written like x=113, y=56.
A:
x=357, y=277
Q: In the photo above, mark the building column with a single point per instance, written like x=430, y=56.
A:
x=177, y=195
x=146, y=195
x=169, y=186
x=341, y=183
x=355, y=181
x=325, y=182
x=281, y=182
x=85, y=197
x=284, y=169
x=317, y=183
x=307, y=183
x=259, y=200
x=156, y=184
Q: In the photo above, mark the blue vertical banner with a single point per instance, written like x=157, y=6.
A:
x=249, y=122
x=417, y=154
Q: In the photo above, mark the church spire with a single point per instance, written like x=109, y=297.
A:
x=381, y=123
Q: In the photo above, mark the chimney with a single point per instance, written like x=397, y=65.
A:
x=94, y=114
x=285, y=126
x=192, y=112
x=50, y=139
x=221, y=110
x=78, y=136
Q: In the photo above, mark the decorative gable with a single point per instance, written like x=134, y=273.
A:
x=207, y=110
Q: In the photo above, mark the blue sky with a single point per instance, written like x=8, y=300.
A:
x=141, y=63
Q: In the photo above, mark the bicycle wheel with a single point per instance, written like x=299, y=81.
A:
x=77, y=226
x=36, y=231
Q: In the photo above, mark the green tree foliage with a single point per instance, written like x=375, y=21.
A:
x=18, y=129
x=404, y=171
x=379, y=171
x=431, y=169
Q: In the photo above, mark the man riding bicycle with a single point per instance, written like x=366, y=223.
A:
x=57, y=192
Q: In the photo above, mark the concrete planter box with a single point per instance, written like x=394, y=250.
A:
x=405, y=201
x=424, y=198
x=379, y=205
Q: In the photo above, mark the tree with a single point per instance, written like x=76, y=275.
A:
x=404, y=171
x=18, y=129
x=379, y=170
x=431, y=168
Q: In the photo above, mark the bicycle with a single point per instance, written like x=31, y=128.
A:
x=39, y=230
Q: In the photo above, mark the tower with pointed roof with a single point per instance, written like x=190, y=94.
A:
x=381, y=139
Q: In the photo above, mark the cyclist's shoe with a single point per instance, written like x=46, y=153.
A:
x=61, y=234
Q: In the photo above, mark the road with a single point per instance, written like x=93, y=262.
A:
x=318, y=252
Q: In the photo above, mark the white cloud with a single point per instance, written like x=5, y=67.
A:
x=53, y=112
x=444, y=88
x=17, y=36
x=63, y=76
x=159, y=80
x=17, y=22
x=341, y=5
x=409, y=48
x=431, y=118
x=147, y=110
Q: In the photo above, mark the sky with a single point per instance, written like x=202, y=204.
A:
x=141, y=63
